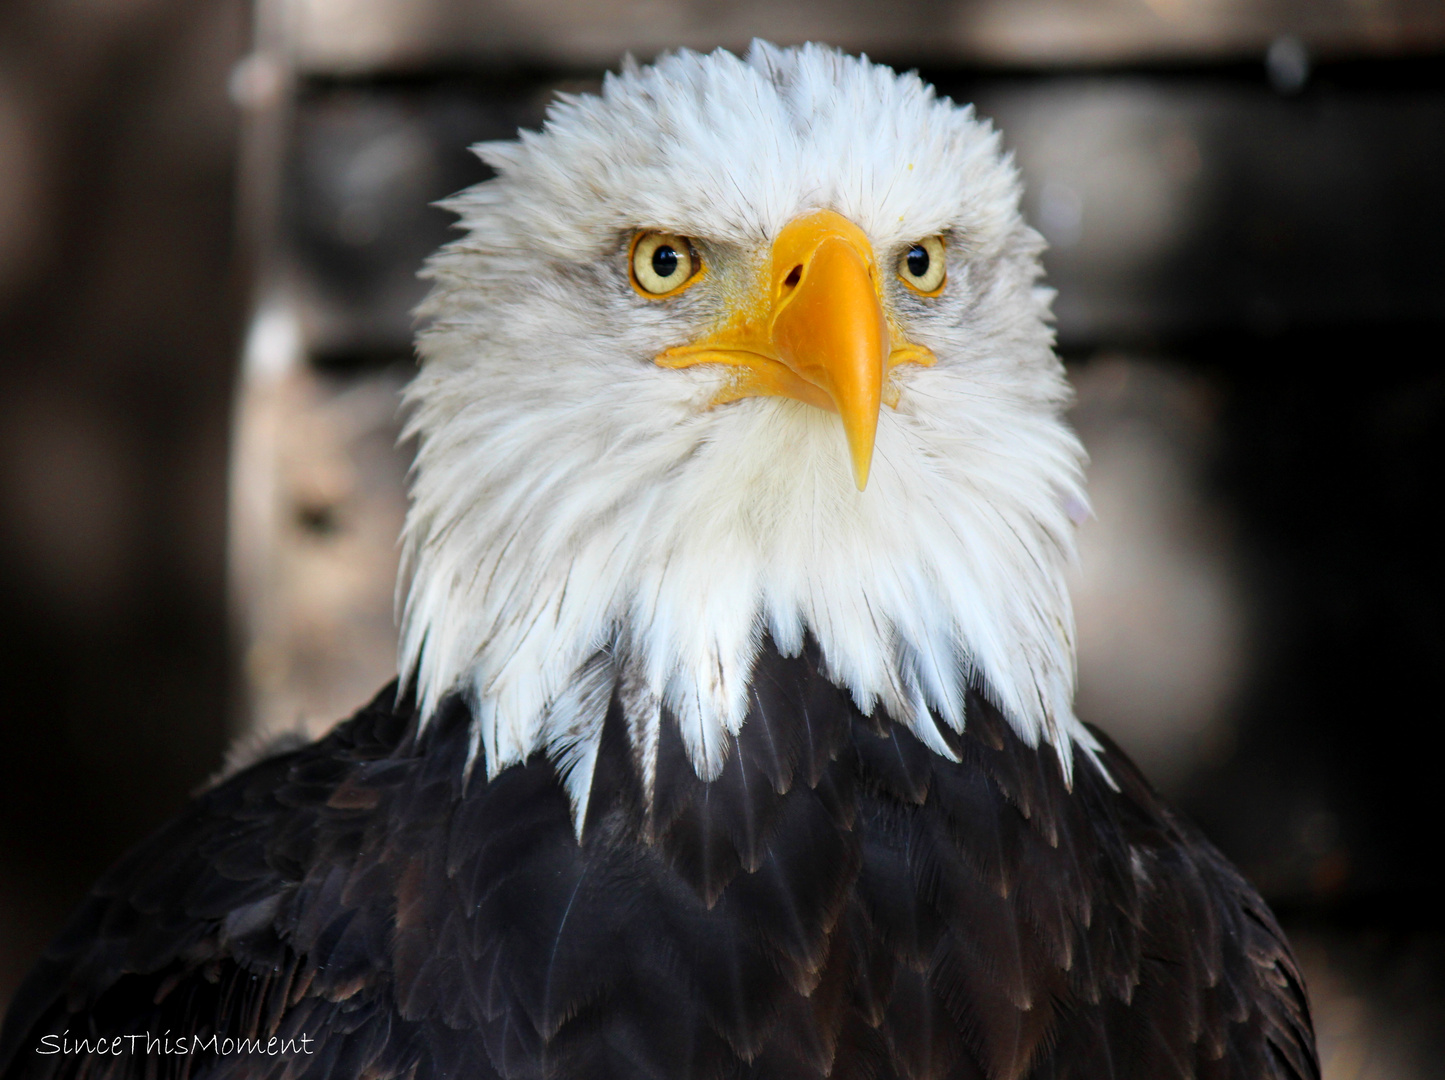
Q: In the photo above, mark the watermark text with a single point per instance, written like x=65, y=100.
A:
x=177, y=1045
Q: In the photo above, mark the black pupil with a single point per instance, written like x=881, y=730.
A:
x=918, y=260
x=664, y=261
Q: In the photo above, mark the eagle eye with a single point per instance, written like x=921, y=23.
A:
x=922, y=267
x=663, y=264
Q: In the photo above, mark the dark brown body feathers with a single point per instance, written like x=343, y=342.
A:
x=840, y=902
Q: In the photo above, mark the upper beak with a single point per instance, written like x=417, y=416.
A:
x=817, y=334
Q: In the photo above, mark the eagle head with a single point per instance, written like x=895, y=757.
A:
x=739, y=350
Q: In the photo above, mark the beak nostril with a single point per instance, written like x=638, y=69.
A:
x=794, y=276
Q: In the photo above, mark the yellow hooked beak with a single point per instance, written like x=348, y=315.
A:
x=817, y=333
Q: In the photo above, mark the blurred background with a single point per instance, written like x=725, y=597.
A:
x=211, y=215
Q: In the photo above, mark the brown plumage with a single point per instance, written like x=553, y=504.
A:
x=840, y=902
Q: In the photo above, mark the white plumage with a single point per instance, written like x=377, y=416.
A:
x=575, y=504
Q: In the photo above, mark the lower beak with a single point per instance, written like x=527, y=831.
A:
x=818, y=334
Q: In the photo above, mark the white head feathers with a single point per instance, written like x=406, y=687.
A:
x=577, y=509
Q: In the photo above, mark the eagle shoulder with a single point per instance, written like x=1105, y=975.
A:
x=263, y=912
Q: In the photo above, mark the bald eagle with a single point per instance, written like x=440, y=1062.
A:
x=733, y=735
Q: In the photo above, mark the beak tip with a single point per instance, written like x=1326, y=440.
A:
x=860, y=472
